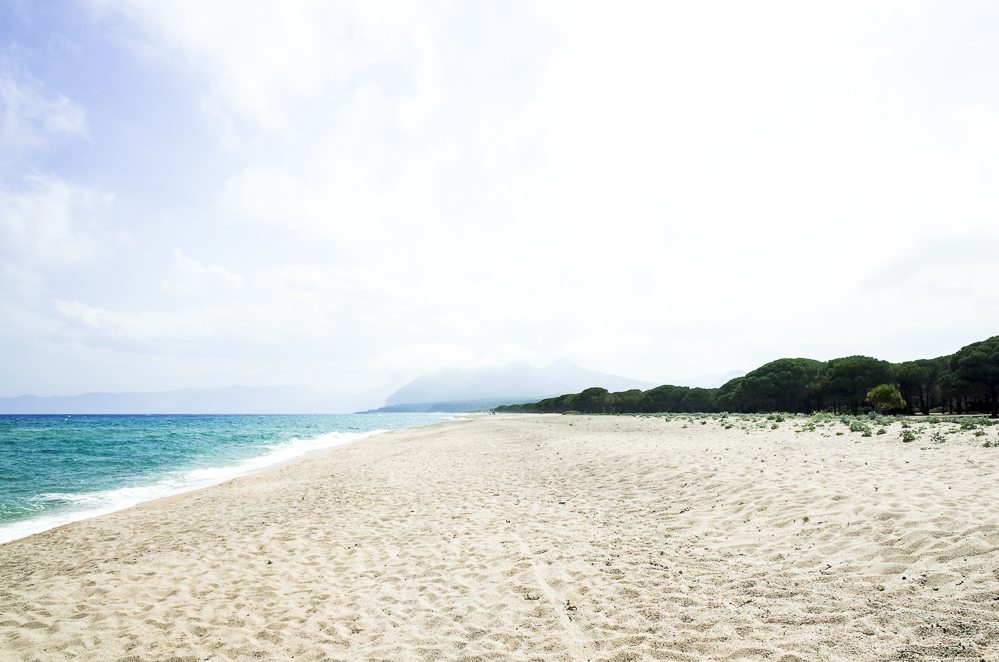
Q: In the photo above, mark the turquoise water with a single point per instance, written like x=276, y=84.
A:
x=58, y=469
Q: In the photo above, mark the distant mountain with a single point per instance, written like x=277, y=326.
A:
x=478, y=389
x=352, y=402
x=228, y=400
x=515, y=382
x=452, y=406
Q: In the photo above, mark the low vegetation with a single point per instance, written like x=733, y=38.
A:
x=965, y=382
x=928, y=431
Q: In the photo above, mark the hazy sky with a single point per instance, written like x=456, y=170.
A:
x=345, y=194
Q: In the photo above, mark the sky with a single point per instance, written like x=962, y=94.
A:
x=345, y=195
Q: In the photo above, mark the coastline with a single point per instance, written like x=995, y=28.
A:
x=307, y=456
x=20, y=529
x=553, y=537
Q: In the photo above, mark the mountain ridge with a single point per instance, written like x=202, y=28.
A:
x=505, y=382
x=455, y=389
x=222, y=400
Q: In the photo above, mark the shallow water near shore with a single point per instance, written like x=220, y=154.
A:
x=56, y=469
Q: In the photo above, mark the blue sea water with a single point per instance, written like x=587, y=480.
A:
x=59, y=469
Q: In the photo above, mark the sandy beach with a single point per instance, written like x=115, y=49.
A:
x=541, y=538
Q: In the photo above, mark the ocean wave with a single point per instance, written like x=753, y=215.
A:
x=72, y=507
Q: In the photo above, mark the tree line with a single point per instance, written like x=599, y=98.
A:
x=964, y=382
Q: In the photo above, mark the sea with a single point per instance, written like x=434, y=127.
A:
x=56, y=469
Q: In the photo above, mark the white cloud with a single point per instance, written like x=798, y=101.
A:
x=191, y=278
x=411, y=360
x=50, y=221
x=139, y=327
x=285, y=311
x=653, y=189
x=302, y=53
x=30, y=118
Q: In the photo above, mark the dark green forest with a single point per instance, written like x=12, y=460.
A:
x=964, y=382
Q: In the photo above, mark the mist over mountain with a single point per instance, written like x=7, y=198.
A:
x=473, y=389
x=508, y=382
x=226, y=400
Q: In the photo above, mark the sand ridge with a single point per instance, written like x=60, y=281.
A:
x=540, y=537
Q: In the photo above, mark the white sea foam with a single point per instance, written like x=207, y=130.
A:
x=84, y=505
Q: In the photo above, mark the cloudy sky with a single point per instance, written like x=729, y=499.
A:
x=343, y=195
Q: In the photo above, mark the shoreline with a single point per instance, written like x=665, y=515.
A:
x=551, y=537
x=67, y=518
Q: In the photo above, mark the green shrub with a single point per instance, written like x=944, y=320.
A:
x=857, y=426
x=884, y=397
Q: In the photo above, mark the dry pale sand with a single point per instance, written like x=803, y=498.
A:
x=544, y=537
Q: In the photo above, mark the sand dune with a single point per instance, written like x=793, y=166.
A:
x=540, y=537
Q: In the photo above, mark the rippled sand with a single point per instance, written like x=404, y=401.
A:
x=540, y=537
